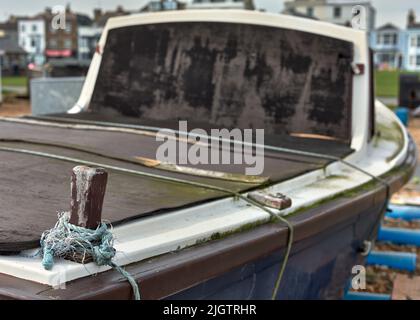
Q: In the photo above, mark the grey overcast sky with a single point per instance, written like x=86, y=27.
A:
x=387, y=10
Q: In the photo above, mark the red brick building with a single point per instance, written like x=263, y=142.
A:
x=61, y=42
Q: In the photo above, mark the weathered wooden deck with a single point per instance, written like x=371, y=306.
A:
x=34, y=188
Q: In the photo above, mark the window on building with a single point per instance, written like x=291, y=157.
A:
x=387, y=39
x=85, y=56
x=170, y=5
x=418, y=41
x=33, y=43
x=52, y=43
x=34, y=28
x=155, y=6
x=68, y=27
x=22, y=28
x=337, y=12
x=310, y=11
x=413, y=41
x=67, y=44
x=390, y=38
x=412, y=61
x=418, y=61
x=84, y=43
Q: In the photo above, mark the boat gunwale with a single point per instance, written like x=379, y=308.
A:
x=237, y=249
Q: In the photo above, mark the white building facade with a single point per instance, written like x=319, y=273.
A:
x=220, y=4
x=31, y=37
x=88, y=37
x=412, y=49
x=161, y=5
x=339, y=12
x=387, y=43
x=412, y=43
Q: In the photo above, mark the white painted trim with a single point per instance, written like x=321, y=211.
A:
x=239, y=16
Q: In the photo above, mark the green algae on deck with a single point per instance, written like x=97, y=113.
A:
x=392, y=133
x=404, y=170
x=270, y=220
x=328, y=181
x=243, y=228
x=336, y=177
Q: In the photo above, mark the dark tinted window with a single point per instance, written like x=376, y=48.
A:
x=228, y=75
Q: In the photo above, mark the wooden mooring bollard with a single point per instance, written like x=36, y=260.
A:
x=88, y=187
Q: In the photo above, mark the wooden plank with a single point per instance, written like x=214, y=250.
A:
x=88, y=187
x=33, y=189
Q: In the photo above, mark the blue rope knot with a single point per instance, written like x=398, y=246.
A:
x=66, y=239
x=103, y=254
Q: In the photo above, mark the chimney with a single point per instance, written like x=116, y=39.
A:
x=249, y=5
x=120, y=9
x=411, y=20
x=97, y=14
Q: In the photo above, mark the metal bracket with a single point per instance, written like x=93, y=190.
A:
x=98, y=49
x=358, y=68
x=277, y=201
x=366, y=248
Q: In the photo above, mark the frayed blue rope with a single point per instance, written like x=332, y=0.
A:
x=66, y=239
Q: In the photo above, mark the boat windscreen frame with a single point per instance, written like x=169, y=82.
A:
x=359, y=120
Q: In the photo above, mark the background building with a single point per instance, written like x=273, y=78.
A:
x=31, y=35
x=88, y=37
x=221, y=4
x=9, y=29
x=163, y=5
x=395, y=48
x=334, y=11
x=61, y=43
x=12, y=57
x=387, y=42
x=412, y=43
x=100, y=17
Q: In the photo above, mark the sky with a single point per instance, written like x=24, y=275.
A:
x=394, y=11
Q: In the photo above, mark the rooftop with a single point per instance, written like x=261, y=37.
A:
x=388, y=26
x=9, y=46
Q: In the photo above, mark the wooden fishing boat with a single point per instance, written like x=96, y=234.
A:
x=187, y=231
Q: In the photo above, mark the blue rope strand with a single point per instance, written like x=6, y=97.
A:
x=66, y=239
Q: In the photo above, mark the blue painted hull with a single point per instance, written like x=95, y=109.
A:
x=319, y=268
